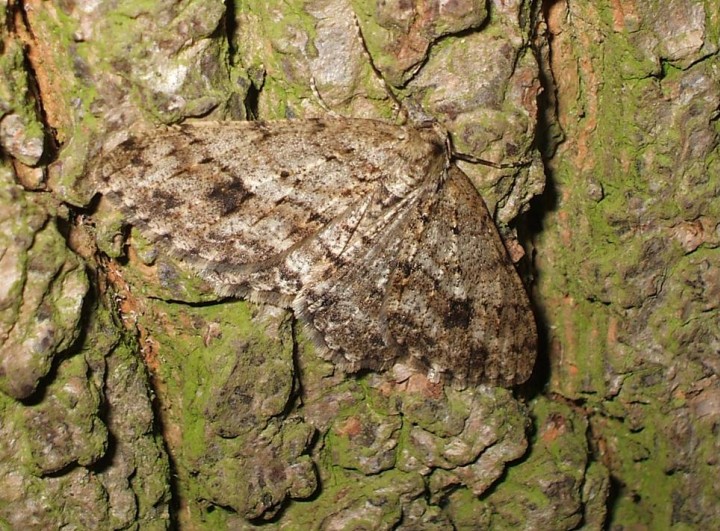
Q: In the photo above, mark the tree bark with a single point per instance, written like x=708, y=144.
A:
x=134, y=396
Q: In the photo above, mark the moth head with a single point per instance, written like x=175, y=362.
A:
x=440, y=143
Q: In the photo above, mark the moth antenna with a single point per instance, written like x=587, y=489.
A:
x=399, y=108
x=320, y=100
x=497, y=165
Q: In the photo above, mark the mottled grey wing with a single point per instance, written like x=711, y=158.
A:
x=455, y=301
x=339, y=245
x=235, y=199
x=343, y=306
x=437, y=290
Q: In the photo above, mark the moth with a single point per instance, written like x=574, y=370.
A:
x=364, y=229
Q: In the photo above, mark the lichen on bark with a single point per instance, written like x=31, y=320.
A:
x=630, y=249
x=127, y=383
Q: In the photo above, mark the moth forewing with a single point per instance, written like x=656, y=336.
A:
x=364, y=228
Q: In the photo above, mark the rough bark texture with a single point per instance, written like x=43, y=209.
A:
x=132, y=397
x=628, y=259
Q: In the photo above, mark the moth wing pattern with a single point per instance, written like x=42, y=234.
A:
x=437, y=290
x=234, y=211
x=456, y=291
x=350, y=222
x=342, y=243
x=344, y=309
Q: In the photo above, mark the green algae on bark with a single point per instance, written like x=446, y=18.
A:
x=43, y=289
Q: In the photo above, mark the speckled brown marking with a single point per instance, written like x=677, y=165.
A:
x=363, y=228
